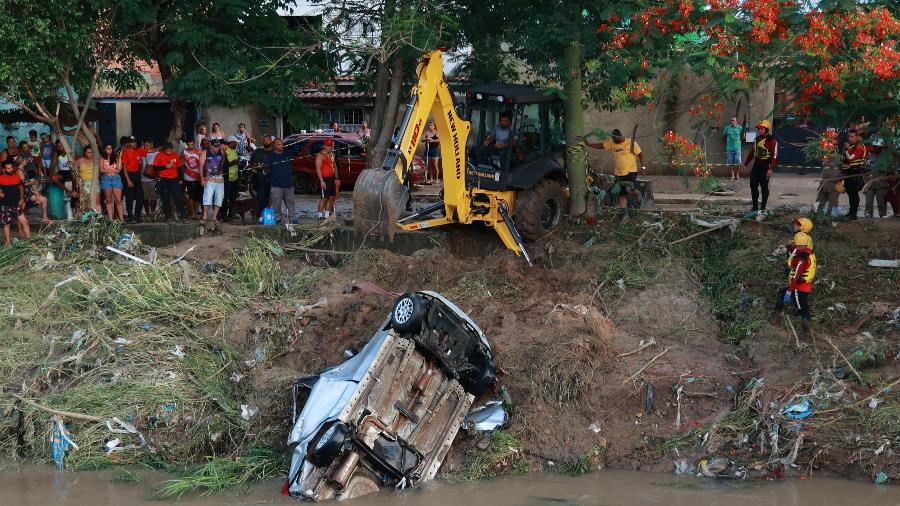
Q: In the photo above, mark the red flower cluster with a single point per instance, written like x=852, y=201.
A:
x=828, y=143
x=640, y=89
x=741, y=72
x=883, y=61
x=684, y=152
x=725, y=43
x=708, y=109
x=765, y=19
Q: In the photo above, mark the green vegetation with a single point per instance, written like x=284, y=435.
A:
x=586, y=463
x=504, y=455
x=218, y=474
x=144, y=349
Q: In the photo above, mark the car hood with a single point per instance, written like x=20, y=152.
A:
x=327, y=399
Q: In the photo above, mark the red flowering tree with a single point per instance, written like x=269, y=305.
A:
x=839, y=59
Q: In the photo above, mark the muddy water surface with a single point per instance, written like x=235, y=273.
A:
x=43, y=487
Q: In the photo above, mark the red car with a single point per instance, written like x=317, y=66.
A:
x=348, y=152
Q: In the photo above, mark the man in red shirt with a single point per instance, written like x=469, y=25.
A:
x=852, y=168
x=167, y=162
x=134, y=192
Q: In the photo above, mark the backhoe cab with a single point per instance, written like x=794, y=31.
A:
x=502, y=163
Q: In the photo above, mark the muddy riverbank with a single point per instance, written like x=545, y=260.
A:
x=619, y=349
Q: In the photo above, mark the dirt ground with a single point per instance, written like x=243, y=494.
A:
x=594, y=343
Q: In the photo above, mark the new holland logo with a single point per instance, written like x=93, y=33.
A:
x=452, y=121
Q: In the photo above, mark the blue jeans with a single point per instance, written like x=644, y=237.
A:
x=733, y=157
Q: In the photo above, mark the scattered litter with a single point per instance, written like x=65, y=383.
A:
x=620, y=283
x=874, y=402
x=595, y=427
x=126, y=241
x=890, y=264
x=682, y=466
x=247, y=412
x=712, y=467
x=60, y=440
x=111, y=445
x=837, y=306
x=881, y=448
x=798, y=411
x=121, y=341
x=182, y=256
x=128, y=255
x=235, y=377
x=489, y=417
x=178, y=352
x=881, y=478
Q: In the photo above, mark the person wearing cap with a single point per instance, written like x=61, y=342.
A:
x=326, y=169
x=801, y=272
x=262, y=178
x=279, y=164
x=626, y=153
x=232, y=174
x=130, y=159
x=212, y=178
x=763, y=156
x=852, y=167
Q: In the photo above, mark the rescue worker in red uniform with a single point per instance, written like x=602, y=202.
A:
x=852, y=168
x=764, y=156
x=801, y=272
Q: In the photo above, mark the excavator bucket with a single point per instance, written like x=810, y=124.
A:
x=378, y=200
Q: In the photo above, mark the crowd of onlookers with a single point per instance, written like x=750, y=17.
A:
x=200, y=178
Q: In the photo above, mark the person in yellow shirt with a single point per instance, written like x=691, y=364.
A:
x=626, y=154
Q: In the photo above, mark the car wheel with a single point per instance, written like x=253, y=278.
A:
x=302, y=184
x=408, y=313
x=479, y=377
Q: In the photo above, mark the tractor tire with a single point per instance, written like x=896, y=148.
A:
x=540, y=210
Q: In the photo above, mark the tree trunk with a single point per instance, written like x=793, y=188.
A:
x=576, y=163
x=379, y=148
x=179, y=115
x=376, y=122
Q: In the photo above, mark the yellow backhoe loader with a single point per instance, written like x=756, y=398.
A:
x=503, y=165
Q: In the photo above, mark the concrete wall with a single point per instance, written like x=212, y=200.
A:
x=123, y=119
x=257, y=120
x=674, y=116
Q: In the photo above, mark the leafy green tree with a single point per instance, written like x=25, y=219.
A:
x=228, y=53
x=382, y=42
x=56, y=55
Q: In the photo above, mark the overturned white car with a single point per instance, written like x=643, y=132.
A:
x=387, y=416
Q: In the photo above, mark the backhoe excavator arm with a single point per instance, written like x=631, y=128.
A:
x=379, y=194
x=432, y=96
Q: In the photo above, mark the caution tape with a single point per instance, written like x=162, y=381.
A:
x=682, y=164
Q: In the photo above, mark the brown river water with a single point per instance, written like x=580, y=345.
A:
x=41, y=486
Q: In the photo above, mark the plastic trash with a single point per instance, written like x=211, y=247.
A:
x=486, y=418
x=881, y=478
x=787, y=297
x=891, y=264
x=713, y=467
x=60, y=440
x=247, y=412
x=798, y=411
x=267, y=216
x=126, y=241
x=178, y=352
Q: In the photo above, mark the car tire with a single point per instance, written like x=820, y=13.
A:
x=408, y=313
x=540, y=210
x=302, y=184
x=480, y=378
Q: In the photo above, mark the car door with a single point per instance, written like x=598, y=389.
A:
x=351, y=160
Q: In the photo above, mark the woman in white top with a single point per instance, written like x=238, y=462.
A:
x=217, y=133
x=201, y=134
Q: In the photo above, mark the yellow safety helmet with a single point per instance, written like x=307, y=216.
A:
x=803, y=240
x=806, y=224
x=765, y=124
x=839, y=186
